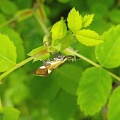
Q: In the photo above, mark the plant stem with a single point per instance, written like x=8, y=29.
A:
x=83, y=57
x=15, y=67
x=40, y=22
x=7, y=22
x=91, y=62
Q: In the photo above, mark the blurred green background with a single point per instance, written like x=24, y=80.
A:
x=53, y=97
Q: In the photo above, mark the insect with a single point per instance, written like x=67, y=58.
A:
x=48, y=66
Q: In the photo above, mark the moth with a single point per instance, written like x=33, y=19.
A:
x=49, y=66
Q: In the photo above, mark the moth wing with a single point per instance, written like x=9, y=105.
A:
x=41, y=71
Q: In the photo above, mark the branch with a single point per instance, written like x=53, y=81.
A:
x=15, y=67
x=91, y=62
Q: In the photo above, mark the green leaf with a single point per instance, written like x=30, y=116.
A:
x=114, y=105
x=7, y=53
x=39, y=53
x=74, y=20
x=59, y=30
x=8, y=7
x=88, y=37
x=10, y=113
x=108, y=53
x=87, y=20
x=94, y=90
x=63, y=107
x=17, y=40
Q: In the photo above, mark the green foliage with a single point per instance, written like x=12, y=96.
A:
x=10, y=113
x=74, y=90
x=17, y=40
x=88, y=37
x=87, y=19
x=2, y=18
x=0, y=106
x=114, y=16
x=65, y=106
x=68, y=81
x=1, y=116
x=8, y=54
x=63, y=1
x=74, y=21
x=94, y=90
x=8, y=7
x=24, y=14
x=39, y=53
x=59, y=30
x=114, y=105
x=107, y=53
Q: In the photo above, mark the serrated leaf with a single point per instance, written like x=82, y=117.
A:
x=88, y=37
x=59, y=30
x=17, y=40
x=108, y=53
x=87, y=20
x=39, y=53
x=74, y=20
x=10, y=113
x=114, y=105
x=7, y=53
x=94, y=90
